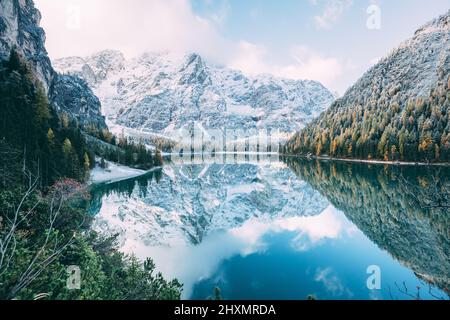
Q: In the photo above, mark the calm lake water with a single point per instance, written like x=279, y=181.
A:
x=287, y=229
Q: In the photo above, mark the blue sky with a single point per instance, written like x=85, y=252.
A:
x=324, y=40
x=281, y=25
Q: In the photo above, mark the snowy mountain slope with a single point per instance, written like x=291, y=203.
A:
x=413, y=68
x=191, y=201
x=398, y=110
x=163, y=92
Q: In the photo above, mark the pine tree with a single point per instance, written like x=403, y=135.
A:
x=67, y=147
x=71, y=161
x=42, y=106
x=103, y=164
x=14, y=62
x=417, y=127
x=158, y=159
x=65, y=121
x=87, y=165
x=50, y=136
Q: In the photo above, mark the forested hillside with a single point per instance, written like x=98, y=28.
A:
x=51, y=130
x=399, y=110
x=44, y=224
x=51, y=146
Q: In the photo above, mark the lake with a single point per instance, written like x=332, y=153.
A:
x=286, y=228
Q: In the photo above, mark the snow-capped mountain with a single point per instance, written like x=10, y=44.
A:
x=163, y=92
x=191, y=201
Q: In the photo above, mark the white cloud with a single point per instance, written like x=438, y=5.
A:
x=250, y=58
x=83, y=27
x=310, y=230
x=332, y=282
x=304, y=63
x=332, y=12
x=311, y=65
x=219, y=16
x=138, y=26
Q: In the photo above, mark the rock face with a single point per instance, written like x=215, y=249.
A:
x=164, y=92
x=19, y=29
x=72, y=95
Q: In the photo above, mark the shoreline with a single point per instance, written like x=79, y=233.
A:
x=108, y=177
x=376, y=162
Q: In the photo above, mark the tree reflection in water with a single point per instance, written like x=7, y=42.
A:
x=403, y=209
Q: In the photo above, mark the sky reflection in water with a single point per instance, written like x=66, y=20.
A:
x=286, y=258
x=324, y=255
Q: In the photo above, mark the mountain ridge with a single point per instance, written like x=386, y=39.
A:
x=162, y=92
x=398, y=110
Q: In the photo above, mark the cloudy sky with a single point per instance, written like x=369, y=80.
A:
x=332, y=41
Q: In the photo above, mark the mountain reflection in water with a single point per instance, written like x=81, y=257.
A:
x=284, y=230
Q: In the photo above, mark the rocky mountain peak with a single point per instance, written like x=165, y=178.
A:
x=95, y=68
x=440, y=23
x=162, y=92
x=194, y=71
